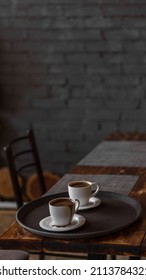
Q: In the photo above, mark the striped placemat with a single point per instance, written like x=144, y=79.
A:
x=116, y=183
x=117, y=153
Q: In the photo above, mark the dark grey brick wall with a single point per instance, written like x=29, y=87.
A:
x=73, y=69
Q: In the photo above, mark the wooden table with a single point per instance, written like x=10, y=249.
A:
x=119, y=160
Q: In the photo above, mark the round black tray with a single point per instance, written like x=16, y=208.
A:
x=115, y=212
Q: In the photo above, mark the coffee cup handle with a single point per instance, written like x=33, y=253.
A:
x=97, y=189
x=77, y=205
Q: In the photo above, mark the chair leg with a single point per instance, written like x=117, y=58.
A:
x=41, y=256
x=97, y=257
x=113, y=257
x=134, y=258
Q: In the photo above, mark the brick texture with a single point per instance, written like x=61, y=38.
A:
x=73, y=69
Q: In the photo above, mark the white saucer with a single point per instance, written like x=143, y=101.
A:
x=47, y=224
x=93, y=202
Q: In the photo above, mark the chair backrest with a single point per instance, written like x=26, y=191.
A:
x=22, y=154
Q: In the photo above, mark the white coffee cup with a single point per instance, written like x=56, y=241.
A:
x=82, y=190
x=62, y=210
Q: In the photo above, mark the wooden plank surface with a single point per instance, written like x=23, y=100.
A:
x=15, y=237
x=119, y=136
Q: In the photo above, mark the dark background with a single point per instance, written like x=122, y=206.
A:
x=74, y=70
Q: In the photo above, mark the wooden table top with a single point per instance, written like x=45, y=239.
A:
x=129, y=241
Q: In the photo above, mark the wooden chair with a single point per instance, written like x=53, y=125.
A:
x=22, y=155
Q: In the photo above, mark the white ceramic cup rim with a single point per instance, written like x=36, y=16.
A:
x=88, y=184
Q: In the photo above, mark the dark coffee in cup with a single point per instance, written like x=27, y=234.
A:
x=79, y=184
x=62, y=202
